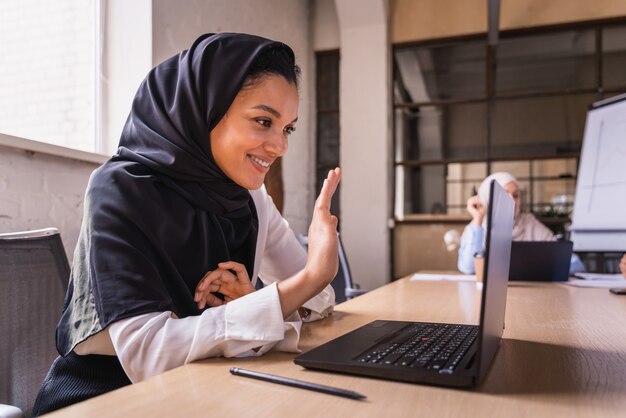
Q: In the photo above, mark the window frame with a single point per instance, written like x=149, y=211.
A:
x=490, y=98
x=332, y=60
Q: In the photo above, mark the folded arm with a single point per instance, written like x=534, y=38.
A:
x=149, y=344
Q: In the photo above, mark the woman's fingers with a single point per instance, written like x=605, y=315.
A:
x=242, y=285
x=217, y=275
x=328, y=189
x=208, y=278
x=337, y=179
x=238, y=268
x=213, y=300
x=230, y=279
x=334, y=177
x=209, y=284
x=323, y=243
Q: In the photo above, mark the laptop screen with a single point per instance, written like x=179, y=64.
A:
x=550, y=260
x=496, y=274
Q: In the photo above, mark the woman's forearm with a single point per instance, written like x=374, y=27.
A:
x=296, y=290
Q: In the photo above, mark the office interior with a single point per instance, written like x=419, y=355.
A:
x=406, y=96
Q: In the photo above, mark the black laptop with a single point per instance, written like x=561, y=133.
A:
x=432, y=353
x=540, y=260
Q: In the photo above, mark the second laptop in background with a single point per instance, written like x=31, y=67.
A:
x=540, y=260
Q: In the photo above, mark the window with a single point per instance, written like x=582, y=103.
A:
x=463, y=110
x=327, y=137
x=48, y=71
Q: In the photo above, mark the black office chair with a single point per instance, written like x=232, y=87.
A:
x=34, y=275
x=344, y=288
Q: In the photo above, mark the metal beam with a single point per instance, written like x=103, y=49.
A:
x=493, y=28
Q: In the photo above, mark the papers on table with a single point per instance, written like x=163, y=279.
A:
x=599, y=276
x=602, y=280
x=591, y=279
x=596, y=283
x=448, y=277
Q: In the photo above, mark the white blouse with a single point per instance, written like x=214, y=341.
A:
x=152, y=343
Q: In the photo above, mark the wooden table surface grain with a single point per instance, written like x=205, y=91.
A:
x=563, y=354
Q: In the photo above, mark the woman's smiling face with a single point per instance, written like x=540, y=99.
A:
x=254, y=131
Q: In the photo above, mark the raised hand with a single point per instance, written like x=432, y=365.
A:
x=222, y=280
x=322, y=262
x=476, y=208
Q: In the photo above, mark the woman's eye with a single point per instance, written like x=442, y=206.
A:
x=290, y=129
x=265, y=122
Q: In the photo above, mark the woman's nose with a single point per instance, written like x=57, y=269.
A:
x=277, y=145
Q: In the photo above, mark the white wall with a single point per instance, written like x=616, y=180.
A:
x=126, y=39
x=361, y=28
x=39, y=191
x=176, y=24
x=365, y=124
x=325, y=25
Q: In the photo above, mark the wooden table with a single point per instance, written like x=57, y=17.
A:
x=563, y=355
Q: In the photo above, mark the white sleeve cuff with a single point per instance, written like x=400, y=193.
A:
x=152, y=343
x=243, y=320
x=321, y=305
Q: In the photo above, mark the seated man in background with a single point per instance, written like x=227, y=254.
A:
x=525, y=227
x=622, y=265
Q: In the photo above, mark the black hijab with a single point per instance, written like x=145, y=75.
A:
x=161, y=213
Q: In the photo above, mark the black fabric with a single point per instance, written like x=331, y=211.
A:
x=161, y=213
x=75, y=378
x=176, y=106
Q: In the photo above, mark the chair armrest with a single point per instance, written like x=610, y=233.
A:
x=9, y=411
x=352, y=292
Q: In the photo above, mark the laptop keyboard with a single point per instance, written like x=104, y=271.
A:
x=437, y=347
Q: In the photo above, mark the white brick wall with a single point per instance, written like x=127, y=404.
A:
x=39, y=190
x=47, y=71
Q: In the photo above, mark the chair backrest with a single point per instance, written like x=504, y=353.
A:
x=34, y=275
x=342, y=283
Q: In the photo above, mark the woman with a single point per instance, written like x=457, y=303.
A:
x=525, y=227
x=181, y=201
